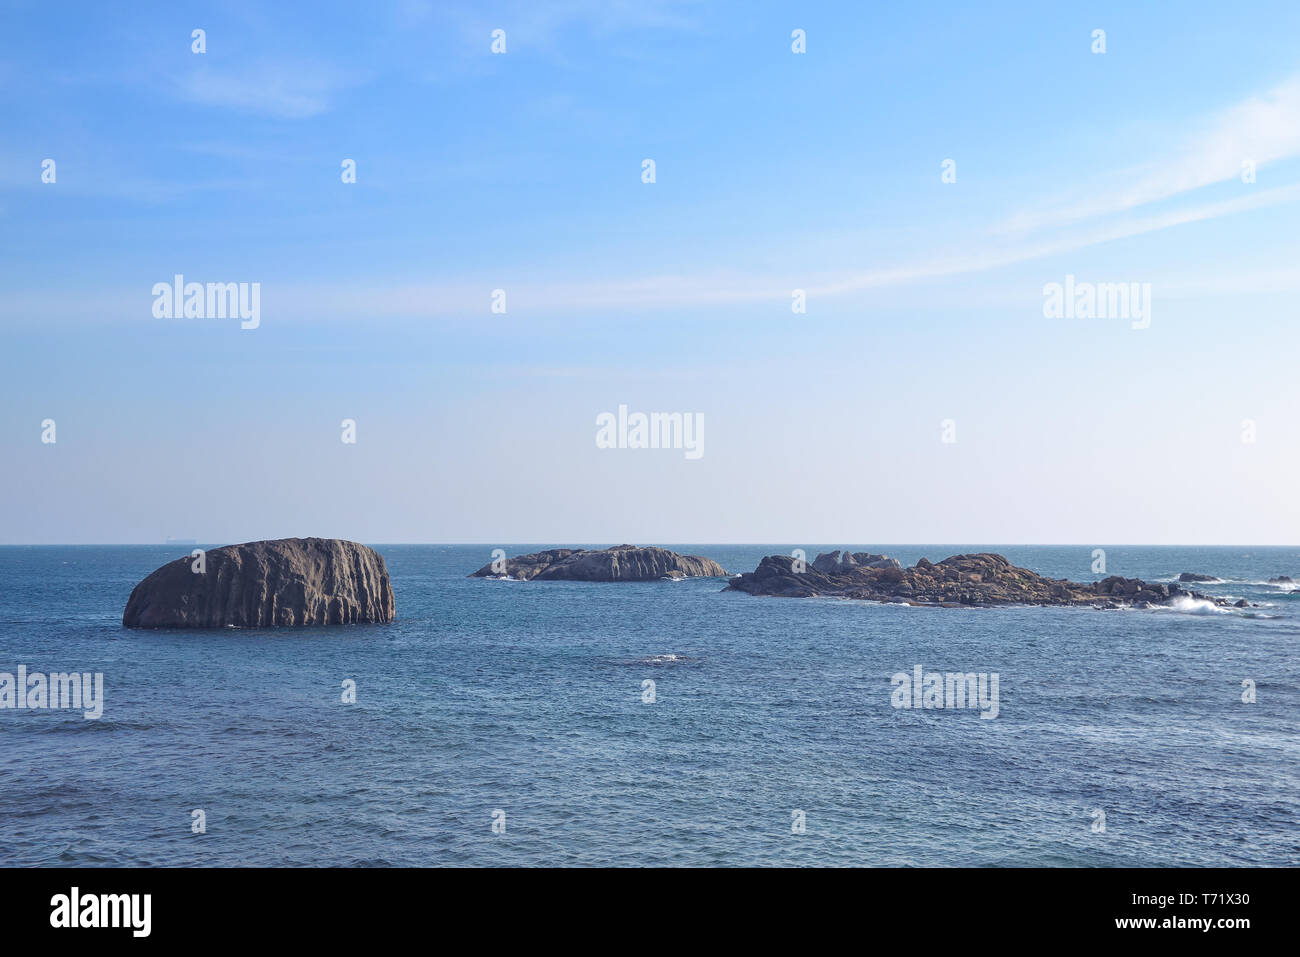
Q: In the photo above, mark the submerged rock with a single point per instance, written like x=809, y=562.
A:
x=622, y=563
x=289, y=581
x=978, y=579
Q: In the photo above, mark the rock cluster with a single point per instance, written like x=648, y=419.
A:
x=979, y=579
x=623, y=563
x=290, y=581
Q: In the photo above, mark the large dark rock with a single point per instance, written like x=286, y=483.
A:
x=290, y=581
x=1196, y=577
x=624, y=563
x=979, y=579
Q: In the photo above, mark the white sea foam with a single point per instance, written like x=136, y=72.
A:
x=1285, y=588
x=1196, y=606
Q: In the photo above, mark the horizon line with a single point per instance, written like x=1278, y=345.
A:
x=498, y=543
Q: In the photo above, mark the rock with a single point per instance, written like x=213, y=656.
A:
x=827, y=562
x=1241, y=603
x=289, y=581
x=957, y=581
x=1282, y=580
x=622, y=563
x=868, y=560
x=1196, y=577
x=893, y=574
x=831, y=562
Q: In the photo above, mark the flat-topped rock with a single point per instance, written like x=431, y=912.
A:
x=286, y=582
x=623, y=563
x=983, y=578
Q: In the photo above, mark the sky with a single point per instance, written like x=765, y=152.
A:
x=921, y=172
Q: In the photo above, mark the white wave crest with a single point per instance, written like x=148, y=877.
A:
x=1196, y=606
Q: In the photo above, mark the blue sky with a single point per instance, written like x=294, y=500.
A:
x=774, y=171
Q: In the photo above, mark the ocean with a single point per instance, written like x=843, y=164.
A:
x=1121, y=738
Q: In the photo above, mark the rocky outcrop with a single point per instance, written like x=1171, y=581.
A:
x=833, y=562
x=1192, y=577
x=979, y=579
x=1282, y=580
x=290, y=581
x=624, y=563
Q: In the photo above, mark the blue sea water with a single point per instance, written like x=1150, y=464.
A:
x=527, y=698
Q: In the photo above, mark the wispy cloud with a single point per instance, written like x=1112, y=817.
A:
x=986, y=259
x=369, y=299
x=1263, y=129
x=458, y=298
x=287, y=90
x=438, y=300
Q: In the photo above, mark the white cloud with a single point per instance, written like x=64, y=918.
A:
x=994, y=259
x=1263, y=129
x=440, y=300
x=289, y=90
